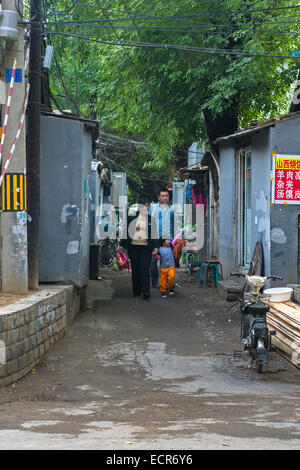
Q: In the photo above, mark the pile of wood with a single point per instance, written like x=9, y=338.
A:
x=284, y=318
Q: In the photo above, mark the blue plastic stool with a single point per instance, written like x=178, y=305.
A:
x=218, y=271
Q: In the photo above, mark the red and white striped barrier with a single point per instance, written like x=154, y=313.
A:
x=17, y=136
x=12, y=81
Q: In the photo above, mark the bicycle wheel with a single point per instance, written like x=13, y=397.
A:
x=260, y=355
x=108, y=250
x=190, y=262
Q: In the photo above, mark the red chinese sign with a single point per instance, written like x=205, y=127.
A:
x=287, y=180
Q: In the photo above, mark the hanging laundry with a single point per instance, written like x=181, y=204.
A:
x=188, y=192
x=199, y=199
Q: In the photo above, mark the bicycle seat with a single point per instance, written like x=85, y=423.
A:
x=257, y=308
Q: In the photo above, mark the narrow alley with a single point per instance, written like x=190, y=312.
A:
x=164, y=374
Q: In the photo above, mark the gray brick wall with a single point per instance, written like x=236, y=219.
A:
x=29, y=327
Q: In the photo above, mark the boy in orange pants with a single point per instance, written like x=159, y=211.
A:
x=167, y=265
x=167, y=280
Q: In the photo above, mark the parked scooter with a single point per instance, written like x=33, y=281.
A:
x=255, y=335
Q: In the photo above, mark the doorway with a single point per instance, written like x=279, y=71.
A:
x=244, y=206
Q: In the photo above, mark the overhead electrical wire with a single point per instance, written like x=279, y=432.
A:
x=113, y=137
x=187, y=25
x=130, y=172
x=168, y=46
x=191, y=5
x=162, y=28
x=188, y=29
x=101, y=23
x=201, y=27
x=114, y=10
x=67, y=10
x=192, y=15
x=175, y=47
x=211, y=13
x=185, y=16
x=127, y=149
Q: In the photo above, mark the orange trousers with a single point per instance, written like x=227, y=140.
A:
x=166, y=278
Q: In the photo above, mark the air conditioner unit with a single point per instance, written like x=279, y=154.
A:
x=8, y=25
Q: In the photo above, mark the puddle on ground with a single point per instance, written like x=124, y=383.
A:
x=190, y=374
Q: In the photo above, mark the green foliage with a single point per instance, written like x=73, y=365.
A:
x=159, y=94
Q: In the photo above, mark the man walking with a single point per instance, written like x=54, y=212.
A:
x=164, y=216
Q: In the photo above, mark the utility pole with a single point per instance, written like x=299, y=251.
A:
x=33, y=143
x=14, y=262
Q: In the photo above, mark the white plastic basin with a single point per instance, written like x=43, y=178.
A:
x=279, y=294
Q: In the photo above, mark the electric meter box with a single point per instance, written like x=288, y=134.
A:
x=119, y=188
x=8, y=25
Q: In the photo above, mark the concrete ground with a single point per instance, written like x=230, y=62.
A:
x=132, y=374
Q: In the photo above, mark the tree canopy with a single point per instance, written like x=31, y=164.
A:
x=170, y=73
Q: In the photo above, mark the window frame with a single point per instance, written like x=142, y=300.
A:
x=244, y=195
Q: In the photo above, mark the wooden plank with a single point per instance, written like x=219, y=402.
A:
x=284, y=324
x=283, y=340
x=286, y=357
x=290, y=314
x=287, y=324
x=287, y=334
x=284, y=329
x=292, y=304
x=281, y=347
x=287, y=308
x=285, y=317
x=282, y=305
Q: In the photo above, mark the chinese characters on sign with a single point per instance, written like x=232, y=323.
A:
x=287, y=179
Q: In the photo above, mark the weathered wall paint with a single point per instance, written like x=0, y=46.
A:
x=260, y=149
x=69, y=210
x=278, y=236
x=19, y=236
x=284, y=219
x=275, y=226
x=66, y=150
x=73, y=247
x=226, y=211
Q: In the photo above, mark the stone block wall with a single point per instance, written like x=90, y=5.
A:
x=29, y=327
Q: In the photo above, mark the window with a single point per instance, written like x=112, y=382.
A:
x=244, y=206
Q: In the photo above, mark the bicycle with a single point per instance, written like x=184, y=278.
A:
x=255, y=335
x=109, y=245
x=190, y=262
x=190, y=248
x=107, y=252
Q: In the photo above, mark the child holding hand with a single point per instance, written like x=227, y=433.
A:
x=167, y=265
